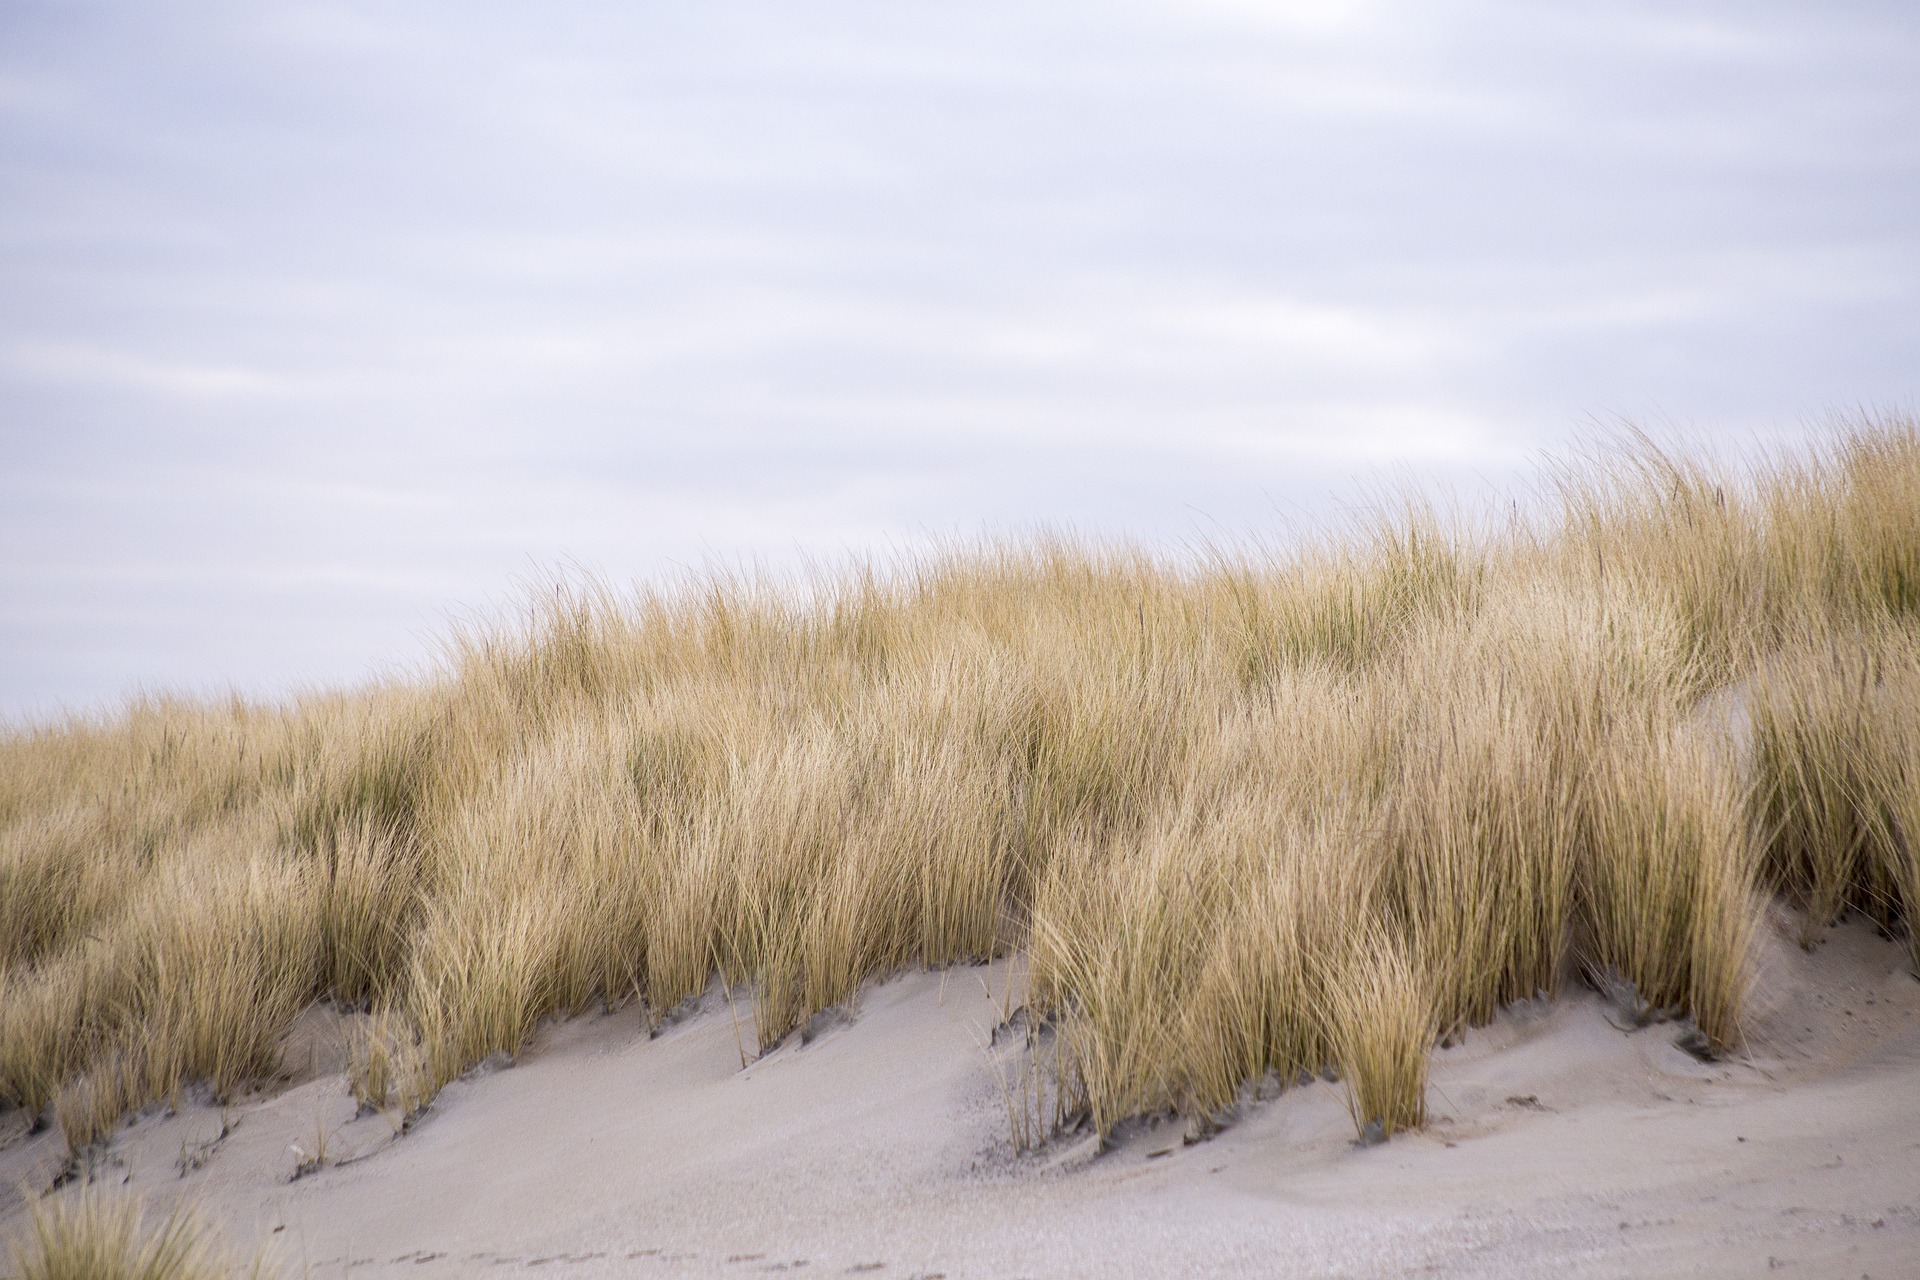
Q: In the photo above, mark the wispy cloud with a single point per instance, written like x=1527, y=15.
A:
x=320, y=320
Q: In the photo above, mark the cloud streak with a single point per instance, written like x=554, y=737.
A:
x=319, y=322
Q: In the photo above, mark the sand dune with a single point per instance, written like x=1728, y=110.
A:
x=1561, y=1144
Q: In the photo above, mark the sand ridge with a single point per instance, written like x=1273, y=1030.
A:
x=1563, y=1142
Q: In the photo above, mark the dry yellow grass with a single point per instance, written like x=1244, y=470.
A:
x=94, y=1235
x=1250, y=816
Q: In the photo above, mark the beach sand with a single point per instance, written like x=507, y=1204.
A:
x=1561, y=1145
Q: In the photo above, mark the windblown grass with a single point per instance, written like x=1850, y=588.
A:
x=1253, y=816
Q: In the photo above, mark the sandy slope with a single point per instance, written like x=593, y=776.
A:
x=1562, y=1147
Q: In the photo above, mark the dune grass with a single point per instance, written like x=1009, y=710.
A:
x=89, y=1234
x=1251, y=815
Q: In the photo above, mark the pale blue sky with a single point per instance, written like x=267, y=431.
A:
x=319, y=322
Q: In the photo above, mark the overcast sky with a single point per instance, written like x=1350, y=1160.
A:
x=320, y=323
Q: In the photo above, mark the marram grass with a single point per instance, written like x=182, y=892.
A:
x=91, y=1234
x=1256, y=813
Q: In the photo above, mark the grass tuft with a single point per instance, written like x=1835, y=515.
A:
x=91, y=1235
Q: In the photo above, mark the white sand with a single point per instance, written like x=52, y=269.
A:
x=1561, y=1147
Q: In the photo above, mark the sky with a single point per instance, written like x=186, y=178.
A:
x=324, y=324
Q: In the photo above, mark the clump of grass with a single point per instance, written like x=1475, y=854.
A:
x=1381, y=1017
x=91, y=1235
x=1836, y=726
x=1251, y=814
x=375, y=1056
x=1667, y=874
